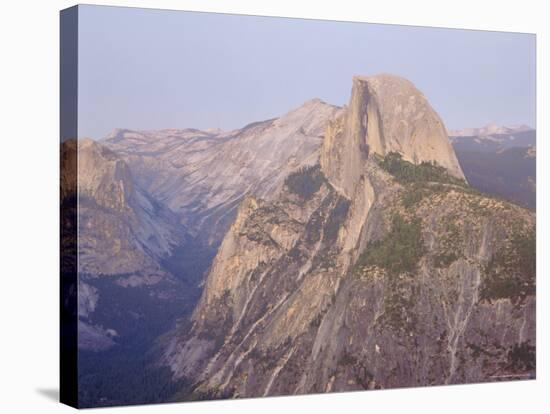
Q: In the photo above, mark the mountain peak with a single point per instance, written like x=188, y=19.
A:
x=310, y=117
x=384, y=80
x=490, y=129
x=406, y=123
x=314, y=102
x=386, y=113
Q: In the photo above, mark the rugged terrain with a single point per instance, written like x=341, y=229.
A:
x=152, y=209
x=329, y=249
x=123, y=238
x=499, y=161
x=151, y=204
x=203, y=175
x=379, y=267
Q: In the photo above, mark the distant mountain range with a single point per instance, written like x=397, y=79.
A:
x=202, y=176
x=488, y=130
x=363, y=271
x=329, y=249
x=499, y=161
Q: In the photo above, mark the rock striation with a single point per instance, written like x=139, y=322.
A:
x=351, y=254
x=385, y=114
x=122, y=230
x=203, y=175
x=124, y=237
x=365, y=271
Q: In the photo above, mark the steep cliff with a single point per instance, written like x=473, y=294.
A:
x=152, y=208
x=203, y=175
x=366, y=271
x=122, y=230
x=385, y=114
x=124, y=238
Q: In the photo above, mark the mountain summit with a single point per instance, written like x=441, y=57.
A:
x=203, y=176
x=328, y=249
x=490, y=129
x=385, y=114
x=377, y=267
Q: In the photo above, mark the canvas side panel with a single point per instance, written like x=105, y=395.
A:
x=68, y=206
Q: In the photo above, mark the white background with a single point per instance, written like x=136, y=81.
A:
x=29, y=83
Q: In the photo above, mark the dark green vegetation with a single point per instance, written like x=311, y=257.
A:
x=306, y=181
x=399, y=251
x=522, y=358
x=335, y=220
x=406, y=172
x=121, y=376
x=400, y=298
x=195, y=257
x=142, y=312
x=511, y=272
x=128, y=372
x=327, y=256
x=510, y=174
x=451, y=244
x=420, y=180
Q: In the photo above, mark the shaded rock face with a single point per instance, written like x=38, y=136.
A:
x=150, y=204
x=249, y=284
x=499, y=160
x=124, y=237
x=354, y=278
x=302, y=314
x=510, y=173
x=494, y=142
x=203, y=175
x=121, y=229
x=385, y=114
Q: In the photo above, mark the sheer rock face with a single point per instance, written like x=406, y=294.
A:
x=122, y=238
x=385, y=114
x=103, y=176
x=121, y=230
x=289, y=308
x=146, y=203
x=203, y=175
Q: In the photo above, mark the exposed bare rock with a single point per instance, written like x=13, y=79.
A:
x=87, y=299
x=203, y=176
x=386, y=114
x=308, y=317
x=124, y=239
x=134, y=191
x=352, y=253
x=366, y=271
x=121, y=229
x=94, y=338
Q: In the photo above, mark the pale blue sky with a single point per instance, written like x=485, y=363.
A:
x=154, y=69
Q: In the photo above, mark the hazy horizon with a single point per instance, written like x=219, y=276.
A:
x=150, y=69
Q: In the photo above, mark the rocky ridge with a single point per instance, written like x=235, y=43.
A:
x=488, y=130
x=385, y=114
x=203, y=175
x=499, y=160
x=378, y=268
x=121, y=229
x=123, y=236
